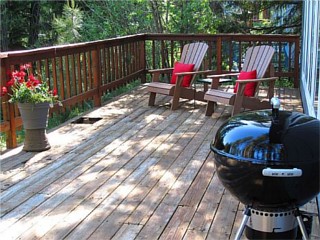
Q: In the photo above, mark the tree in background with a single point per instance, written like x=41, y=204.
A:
x=27, y=23
x=30, y=24
x=34, y=22
x=105, y=19
x=69, y=24
x=257, y=17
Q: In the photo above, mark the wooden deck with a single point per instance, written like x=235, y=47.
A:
x=139, y=173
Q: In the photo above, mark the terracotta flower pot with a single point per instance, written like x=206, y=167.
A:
x=35, y=120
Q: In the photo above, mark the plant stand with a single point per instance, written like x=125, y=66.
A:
x=35, y=119
x=36, y=140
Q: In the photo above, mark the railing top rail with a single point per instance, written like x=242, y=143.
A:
x=74, y=47
x=242, y=37
x=146, y=36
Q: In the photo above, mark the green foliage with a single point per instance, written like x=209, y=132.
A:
x=30, y=24
x=20, y=138
x=124, y=89
x=24, y=94
x=19, y=29
x=69, y=24
x=58, y=118
x=190, y=16
x=105, y=19
x=285, y=83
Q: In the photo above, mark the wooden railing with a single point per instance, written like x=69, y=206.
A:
x=86, y=71
x=226, y=51
x=79, y=72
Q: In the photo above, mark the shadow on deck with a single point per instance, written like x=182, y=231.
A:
x=138, y=173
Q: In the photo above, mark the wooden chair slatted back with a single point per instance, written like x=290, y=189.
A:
x=194, y=53
x=258, y=58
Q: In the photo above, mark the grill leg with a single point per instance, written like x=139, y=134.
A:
x=301, y=225
x=247, y=214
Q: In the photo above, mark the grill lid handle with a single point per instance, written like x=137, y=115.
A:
x=276, y=128
x=275, y=104
x=271, y=172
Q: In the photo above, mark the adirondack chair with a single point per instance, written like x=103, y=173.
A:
x=257, y=60
x=192, y=56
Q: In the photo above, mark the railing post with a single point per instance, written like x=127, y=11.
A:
x=12, y=136
x=8, y=112
x=143, y=60
x=96, y=76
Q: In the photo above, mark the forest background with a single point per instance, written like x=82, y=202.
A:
x=38, y=23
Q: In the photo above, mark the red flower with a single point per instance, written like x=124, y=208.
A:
x=55, y=92
x=10, y=82
x=31, y=83
x=33, y=79
x=19, y=76
x=27, y=88
x=24, y=67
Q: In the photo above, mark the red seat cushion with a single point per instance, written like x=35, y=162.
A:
x=182, y=67
x=250, y=87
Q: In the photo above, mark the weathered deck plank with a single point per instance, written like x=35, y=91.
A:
x=139, y=173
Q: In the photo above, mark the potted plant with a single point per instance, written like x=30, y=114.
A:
x=33, y=98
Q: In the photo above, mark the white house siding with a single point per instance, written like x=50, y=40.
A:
x=310, y=58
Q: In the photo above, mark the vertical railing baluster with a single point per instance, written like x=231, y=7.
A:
x=143, y=60
x=96, y=77
x=89, y=70
x=84, y=71
x=79, y=75
x=74, y=75
x=54, y=75
x=67, y=71
x=61, y=79
x=219, y=54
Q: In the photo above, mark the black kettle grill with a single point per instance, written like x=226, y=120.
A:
x=269, y=160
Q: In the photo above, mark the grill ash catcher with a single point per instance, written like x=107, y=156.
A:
x=269, y=160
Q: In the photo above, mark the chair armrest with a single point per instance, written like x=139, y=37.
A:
x=193, y=73
x=216, y=78
x=160, y=70
x=242, y=84
x=156, y=73
x=180, y=77
x=186, y=73
x=181, y=74
x=257, y=80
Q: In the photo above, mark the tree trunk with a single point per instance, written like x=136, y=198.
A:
x=156, y=16
x=34, y=23
x=4, y=43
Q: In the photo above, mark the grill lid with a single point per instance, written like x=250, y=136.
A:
x=269, y=136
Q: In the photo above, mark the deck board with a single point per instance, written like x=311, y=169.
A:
x=139, y=173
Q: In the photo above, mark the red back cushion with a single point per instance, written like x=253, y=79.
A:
x=182, y=67
x=250, y=87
